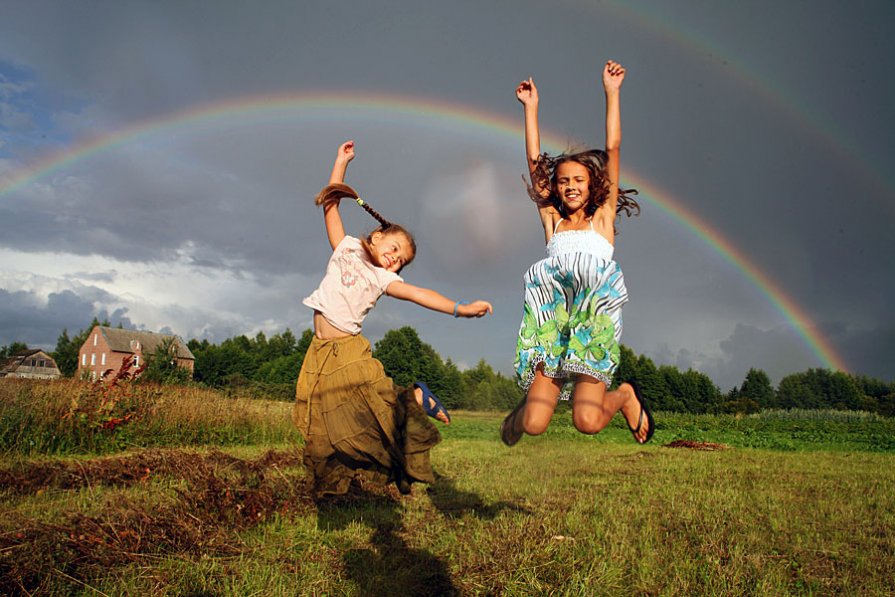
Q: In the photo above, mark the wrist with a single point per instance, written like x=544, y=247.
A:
x=457, y=308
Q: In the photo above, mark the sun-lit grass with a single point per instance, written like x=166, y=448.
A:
x=559, y=514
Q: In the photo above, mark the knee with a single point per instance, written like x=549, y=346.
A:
x=534, y=425
x=589, y=424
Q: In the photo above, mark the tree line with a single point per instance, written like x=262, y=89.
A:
x=269, y=366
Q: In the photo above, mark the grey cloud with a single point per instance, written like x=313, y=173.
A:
x=777, y=160
x=23, y=318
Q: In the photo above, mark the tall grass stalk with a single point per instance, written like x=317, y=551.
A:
x=38, y=417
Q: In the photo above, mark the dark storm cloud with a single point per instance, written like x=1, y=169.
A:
x=24, y=317
x=780, y=146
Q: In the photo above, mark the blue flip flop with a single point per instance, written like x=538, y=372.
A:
x=436, y=405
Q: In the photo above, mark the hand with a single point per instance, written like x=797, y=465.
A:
x=527, y=93
x=346, y=152
x=475, y=309
x=613, y=75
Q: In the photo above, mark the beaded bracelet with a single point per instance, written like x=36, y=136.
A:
x=457, y=306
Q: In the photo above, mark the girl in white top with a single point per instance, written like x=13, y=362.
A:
x=357, y=425
x=569, y=337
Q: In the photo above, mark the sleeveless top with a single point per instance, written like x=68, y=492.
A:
x=579, y=241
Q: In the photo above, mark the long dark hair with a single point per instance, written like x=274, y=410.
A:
x=333, y=193
x=543, y=179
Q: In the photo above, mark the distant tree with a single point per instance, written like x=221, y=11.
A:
x=66, y=354
x=627, y=366
x=886, y=405
x=757, y=387
x=13, y=349
x=653, y=384
x=705, y=396
x=819, y=388
x=162, y=367
x=677, y=390
x=451, y=392
x=406, y=359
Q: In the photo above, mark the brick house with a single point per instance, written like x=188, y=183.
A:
x=107, y=347
x=32, y=364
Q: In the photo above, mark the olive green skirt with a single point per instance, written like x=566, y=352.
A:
x=356, y=423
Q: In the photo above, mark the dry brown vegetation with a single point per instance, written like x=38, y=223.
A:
x=220, y=495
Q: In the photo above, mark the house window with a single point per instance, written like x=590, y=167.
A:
x=93, y=359
x=136, y=360
x=41, y=363
x=95, y=336
x=104, y=359
x=84, y=359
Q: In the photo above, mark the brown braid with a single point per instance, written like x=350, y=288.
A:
x=334, y=192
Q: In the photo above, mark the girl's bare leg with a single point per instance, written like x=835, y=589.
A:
x=540, y=402
x=593, y=407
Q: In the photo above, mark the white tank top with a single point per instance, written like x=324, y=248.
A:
x=579, y=241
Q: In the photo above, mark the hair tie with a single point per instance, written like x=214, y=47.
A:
x=360, y=201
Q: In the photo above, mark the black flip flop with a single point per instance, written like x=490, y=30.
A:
x=643, y=409
x=508, y=435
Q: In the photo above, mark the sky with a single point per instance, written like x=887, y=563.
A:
x=158, y=164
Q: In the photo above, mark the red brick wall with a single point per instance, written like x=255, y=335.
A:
x=90, y=357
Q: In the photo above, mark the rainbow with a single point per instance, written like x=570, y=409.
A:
x=429, y=113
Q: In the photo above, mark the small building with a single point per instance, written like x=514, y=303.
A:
x=30, y=364
x=106, y=348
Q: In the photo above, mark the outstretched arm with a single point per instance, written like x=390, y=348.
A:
x=437, y=302
x=335, y=231
x=613, y=76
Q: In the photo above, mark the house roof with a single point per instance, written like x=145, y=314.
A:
x=15, y=361
x=120, y=341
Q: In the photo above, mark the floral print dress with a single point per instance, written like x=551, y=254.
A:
x=572, y=317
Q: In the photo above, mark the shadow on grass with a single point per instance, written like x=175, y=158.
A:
x=455, y=503
x=389, y=566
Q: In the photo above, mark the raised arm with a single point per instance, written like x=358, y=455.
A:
x=527, y=94
x=613, y=76
x=335, y=231
x=437, y=302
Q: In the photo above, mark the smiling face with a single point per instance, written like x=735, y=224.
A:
x=391, y=250
x=572, y=185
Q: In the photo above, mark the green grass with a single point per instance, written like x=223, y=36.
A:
x=798, y=503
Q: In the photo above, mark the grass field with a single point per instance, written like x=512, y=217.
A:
x=785, y=503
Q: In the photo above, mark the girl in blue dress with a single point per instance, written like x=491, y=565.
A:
x=568, y=342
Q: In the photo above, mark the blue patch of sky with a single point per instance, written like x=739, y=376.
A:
x=27, y=114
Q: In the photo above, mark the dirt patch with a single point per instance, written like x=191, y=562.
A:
x=222, y=495
x=130, y=469
x=695, y=445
